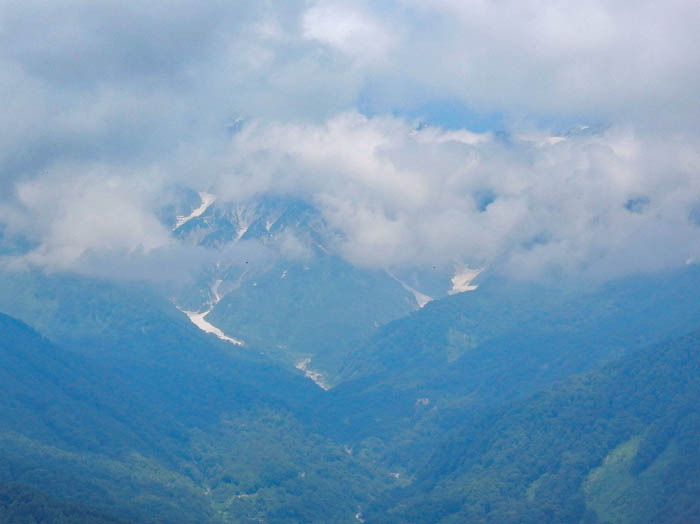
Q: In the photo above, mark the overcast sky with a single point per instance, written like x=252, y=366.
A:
x=530, y=135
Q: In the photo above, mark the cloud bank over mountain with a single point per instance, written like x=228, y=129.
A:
x=613, y=200
x=590, y=163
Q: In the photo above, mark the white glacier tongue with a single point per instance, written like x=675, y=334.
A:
x=207, y=200
x=244, y=218
x=199, y=320
x=316, y=376
x=421, y=298
x=462, y=281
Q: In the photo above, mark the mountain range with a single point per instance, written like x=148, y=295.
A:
x=293, y=386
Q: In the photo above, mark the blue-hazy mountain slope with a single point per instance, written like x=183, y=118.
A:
x=177, y=429
x=21, y=504
x=140, y=405
x=301, y=300
x=322, y=310
x=490, y=346
x=618, y=444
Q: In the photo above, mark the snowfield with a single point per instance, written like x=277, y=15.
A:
x=207, y=200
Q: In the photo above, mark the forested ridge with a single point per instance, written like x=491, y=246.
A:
x=169, y=442
x=23, y=505
x=567, y=407
x=618, y=444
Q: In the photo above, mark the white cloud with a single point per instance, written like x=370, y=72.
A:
x=606, y=60
x=68, y=216
x=136, y=96
x=400, y=194
x=351, y=31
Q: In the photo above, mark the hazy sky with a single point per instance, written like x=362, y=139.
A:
x=532, y=135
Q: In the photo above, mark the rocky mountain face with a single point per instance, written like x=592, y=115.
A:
x=276, y=282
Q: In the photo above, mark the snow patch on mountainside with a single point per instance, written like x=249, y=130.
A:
x=316, y=376
x=421, y=298
x=242, y=230
x=215, y=292
x=462, y=281
x=199, y=320
x=244, y=216
x=207, y=200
